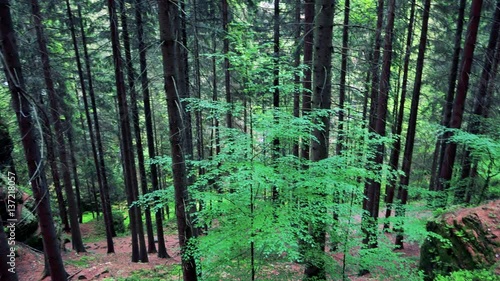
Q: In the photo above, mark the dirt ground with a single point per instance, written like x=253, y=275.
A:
x=96, y=264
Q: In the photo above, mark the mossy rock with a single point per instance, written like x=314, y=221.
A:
x=467, y=239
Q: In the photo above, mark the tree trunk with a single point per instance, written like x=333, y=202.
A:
x=162, y=250
x=322, y=91
x=296, y=64
x=446, y=171
x=375, y=67
x=276, y=83
x=396, y=149
x=54, y=171
x=31, y=139
x=169, y=29
x=99, y=154
x=480, y=102
x=308, y=58
x=225, y=51
x=72, y=149
x=343, y=76
x=440, y=143
x=372, y=189
x=76, y=236
x=412, y=122
x=126, y=136
x=151, y=248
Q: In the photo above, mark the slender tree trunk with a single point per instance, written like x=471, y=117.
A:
x=92, y=193
x=412, y=122
x=372, y=189
x=396, y=149
x=103, y=181
x=76, y=236
x=375, y=67
x=52, y=154
x=197, y=67
x=480, y=102
x=343, y=76
x=276, y=83
x=54, y=171
x=322, y=91
x=106, y=214
x=459, y=102
x=31, y=137
x=308, y=59
x=126, y=137
x=296, y=64
x=440, y=143
x=151, y=248
x=225, y=51
x=72, y=149
x=162, y=250
x=169, y=28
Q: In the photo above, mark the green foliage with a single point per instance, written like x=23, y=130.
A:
x=470, y=275
x=82, y=262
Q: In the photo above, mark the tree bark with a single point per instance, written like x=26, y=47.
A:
x=480, y=103
x=296, y=64
x=459, y=102
x=72, y=149
x=322, y=92
x=343, y=76
x=162, y=250
x=99, y=153
x=31, y=139
x=169, y=29
x=375, y=67
x=308, y=59
x=372, y=189
x=225, y=51
x=276, y=83
x=440, y=143
x=55, y=110
x=396, y=149
x=151, y=248
x=412, y=122
x=54, y=171
x=126, y=136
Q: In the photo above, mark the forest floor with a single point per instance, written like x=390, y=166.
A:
x=96, y=264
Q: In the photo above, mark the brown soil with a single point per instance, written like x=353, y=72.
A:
x=98, y=263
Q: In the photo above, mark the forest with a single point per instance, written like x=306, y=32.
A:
x=250, y=140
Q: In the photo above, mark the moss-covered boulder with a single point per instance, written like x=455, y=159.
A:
x=468, y=238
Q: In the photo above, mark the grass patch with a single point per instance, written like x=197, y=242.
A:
x=82, y=262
